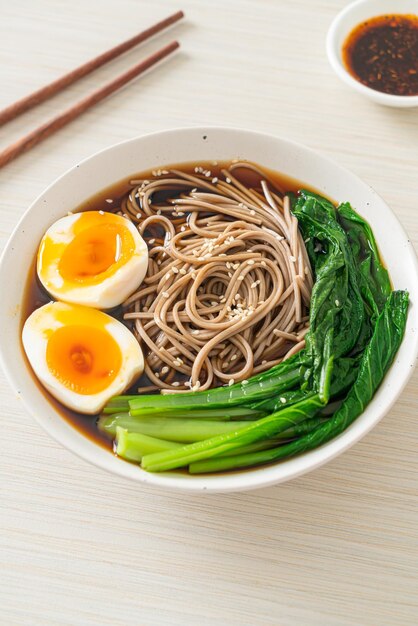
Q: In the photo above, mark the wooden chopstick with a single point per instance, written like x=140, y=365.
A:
x=48, y=91
x=42, y=132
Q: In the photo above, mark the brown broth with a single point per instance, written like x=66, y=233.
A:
x=36, y=296
x=382, y=53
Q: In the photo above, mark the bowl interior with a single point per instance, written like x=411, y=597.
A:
x=349, y=18
x=194, y=144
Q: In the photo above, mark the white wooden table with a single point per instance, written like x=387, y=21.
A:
x=82, y=548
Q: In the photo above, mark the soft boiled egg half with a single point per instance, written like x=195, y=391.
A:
x=81, y=355
x=93, y=258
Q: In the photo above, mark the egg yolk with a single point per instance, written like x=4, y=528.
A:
x=95, y=251
x=84, y=359
x=95, y=246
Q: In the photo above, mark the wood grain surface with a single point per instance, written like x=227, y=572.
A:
x=79, y=547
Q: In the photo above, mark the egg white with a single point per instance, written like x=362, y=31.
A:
x=112, y=290
x=35, y=340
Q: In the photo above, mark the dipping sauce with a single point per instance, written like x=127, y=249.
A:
x=382, y=53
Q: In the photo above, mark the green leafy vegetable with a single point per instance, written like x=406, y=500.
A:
x=256, y=431
x=170, y=428
x=377, y=358
x=133, y=446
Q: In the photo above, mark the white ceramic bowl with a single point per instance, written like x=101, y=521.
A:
x=193, y=144
x=343, y=24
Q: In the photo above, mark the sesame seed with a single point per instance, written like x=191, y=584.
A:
x=237, y=296
x=337, y=303
x=151, y=241
x=165, y=369
x=109, y=200
x=252, y=212
x=215, y=180
x=228, y=180
x=159, y=212
x=283, y=400
x=175, y=270
x=195, y=331
x=231, y=382
x=263, y=263
x=180, y=213
x=165, y=294
x=229, y=274
x=183, y=228
x=293, y=259
x=244, y=382
x=167, y=276
x=263, y=362
x=241, y=277
x=234, y=357
x=156, y=374
x=182, y=271
x=176, y=383
x=250, y=262
x=138, y=216
x=196, y=386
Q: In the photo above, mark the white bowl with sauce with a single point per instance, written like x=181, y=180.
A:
x=110, y=166
x=342, y=25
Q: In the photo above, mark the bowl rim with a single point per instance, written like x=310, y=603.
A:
x=228, y=482
x=333, y=50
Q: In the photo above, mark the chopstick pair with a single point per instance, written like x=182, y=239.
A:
x=45, y=130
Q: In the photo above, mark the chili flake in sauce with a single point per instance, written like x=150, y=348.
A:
x=382, y=53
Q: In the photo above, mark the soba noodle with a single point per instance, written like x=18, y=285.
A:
x=228, y=285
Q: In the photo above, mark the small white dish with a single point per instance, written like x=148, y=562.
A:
x=193, y=144
x=342, y=25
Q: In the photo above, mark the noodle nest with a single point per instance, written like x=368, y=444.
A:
x=228, y=285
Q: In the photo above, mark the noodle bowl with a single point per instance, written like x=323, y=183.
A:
x=228, y=285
